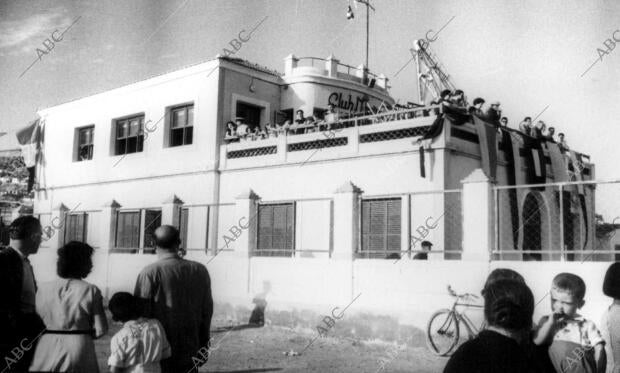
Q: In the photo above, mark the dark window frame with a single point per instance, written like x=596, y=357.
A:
x=148, y=229
x=90, y=147
x=261, y=237
x=186, y=130
x=122, y=144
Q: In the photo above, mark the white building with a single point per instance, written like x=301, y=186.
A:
x=305, y=220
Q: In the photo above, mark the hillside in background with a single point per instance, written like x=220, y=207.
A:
x=13, y=185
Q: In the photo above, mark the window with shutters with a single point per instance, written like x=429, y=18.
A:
x=152, y=220
x=127, y=231
x=381, y=228
x=75, y=227
x=276, y=230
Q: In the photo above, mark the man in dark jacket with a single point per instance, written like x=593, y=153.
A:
x=20, y=326
x=178, y=293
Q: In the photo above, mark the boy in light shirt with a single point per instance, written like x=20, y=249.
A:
x=141, y=344
x=575, y=343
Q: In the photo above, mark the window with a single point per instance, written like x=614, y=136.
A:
x=182, y=125
x=276, y=224
x=250, y=113
x=127, y=231
x=284, y=115
x=381, y=230
x=129, y=135
x=85, y=145
x=76, y=227
x=318, y=113
x=152, y=220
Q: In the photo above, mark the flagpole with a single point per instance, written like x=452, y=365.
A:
x=367, y=31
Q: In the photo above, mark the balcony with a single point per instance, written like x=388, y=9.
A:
x=331, y=67
x=347, y=138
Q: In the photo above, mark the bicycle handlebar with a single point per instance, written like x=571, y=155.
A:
x=461, y=296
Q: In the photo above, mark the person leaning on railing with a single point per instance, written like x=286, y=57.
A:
x=231, y=132
x=242, y=128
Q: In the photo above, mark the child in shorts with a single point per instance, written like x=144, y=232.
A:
x=141, y=344
x=574, y=343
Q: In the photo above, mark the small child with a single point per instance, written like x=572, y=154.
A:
x=575, y=344
x=610, y=325
x=141, y=344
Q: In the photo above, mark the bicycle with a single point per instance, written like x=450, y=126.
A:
x=442, y=340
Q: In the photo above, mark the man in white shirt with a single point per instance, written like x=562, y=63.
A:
x=141, y=343
x=242, y=128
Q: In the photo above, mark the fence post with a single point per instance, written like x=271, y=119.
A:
x=346, y=234
x=477, y=216
x=170, y=211
x=562, y=248
x=244, y=232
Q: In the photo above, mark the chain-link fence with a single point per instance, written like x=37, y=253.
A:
x=572, y=221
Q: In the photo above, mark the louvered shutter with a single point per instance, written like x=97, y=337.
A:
x=381, y=226
x=276, y=229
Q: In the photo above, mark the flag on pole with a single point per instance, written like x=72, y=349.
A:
x=487, y=137
x=29, y=139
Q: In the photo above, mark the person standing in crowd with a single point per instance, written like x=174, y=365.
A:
x=458, y=98
x=562, y=143
x=242, y=128
x=178, y=294
x=538, y=130
x=72, y=310
x=231, y=130
x=504, y=122
x=299, y=117
x=444, y=99
x=564, y=331
x=493, y=113
x=476, y=108
x=549, y=136
x=610, y=324
x=526, y=125
x=18, y=320
x=141, y=343
x=508, y=310
x=331, y=116
x=426, y=248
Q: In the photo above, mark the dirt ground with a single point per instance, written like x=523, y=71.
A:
x=245, y=350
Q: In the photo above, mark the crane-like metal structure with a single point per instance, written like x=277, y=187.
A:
x=432, y=78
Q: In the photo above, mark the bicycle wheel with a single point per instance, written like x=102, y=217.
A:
x=442, y=332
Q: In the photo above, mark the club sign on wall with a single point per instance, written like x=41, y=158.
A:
x=347, y=103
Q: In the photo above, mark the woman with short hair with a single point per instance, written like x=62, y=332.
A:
x=72, y=310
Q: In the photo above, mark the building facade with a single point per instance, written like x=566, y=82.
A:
x=306, y=219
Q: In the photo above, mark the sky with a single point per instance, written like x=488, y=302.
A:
x=529, y=55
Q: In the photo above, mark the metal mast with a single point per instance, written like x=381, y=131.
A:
x=431, y=76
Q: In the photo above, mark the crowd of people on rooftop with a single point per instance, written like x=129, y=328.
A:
x=456, y=102
x=240, y=130
x=451, y=101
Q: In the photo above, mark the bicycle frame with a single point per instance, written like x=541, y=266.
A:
x=472, y=330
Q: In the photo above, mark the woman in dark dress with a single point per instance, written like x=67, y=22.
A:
x=508, y=309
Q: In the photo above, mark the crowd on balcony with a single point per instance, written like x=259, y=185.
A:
x=455, y=102
x=242, y=131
